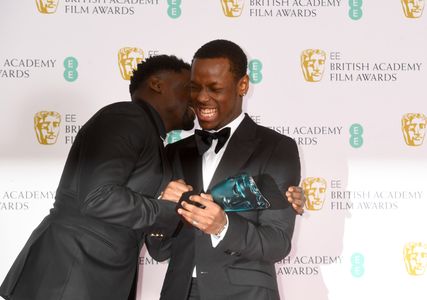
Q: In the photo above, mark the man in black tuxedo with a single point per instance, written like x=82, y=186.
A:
x=216, y=255
x=87, y=248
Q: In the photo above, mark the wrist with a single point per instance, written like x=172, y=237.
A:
x=222, y=228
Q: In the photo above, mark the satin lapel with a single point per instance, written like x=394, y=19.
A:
x=191, y=163
x=241, y=146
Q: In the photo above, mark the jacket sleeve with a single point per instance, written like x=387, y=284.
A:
x=111, y=145
x=160, y=247
x=270, y=238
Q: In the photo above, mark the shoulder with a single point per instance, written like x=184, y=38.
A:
x=125, y=107
x=124, y=119
x=271, y=136
x=120, y=113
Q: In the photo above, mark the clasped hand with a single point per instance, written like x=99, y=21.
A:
x=209, y=218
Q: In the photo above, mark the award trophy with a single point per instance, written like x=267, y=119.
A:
x=239, y=193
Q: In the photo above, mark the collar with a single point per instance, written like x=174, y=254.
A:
x=233, y=124
x=154, y=116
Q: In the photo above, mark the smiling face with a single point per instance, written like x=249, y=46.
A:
x=215, y=92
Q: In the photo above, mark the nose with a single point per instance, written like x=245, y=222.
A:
x=202, y=95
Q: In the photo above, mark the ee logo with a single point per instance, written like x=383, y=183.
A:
x=355, y=12
x=356, y=132
x=255, y=67
x=174, y=9
x=70, y=65
x=357, y=262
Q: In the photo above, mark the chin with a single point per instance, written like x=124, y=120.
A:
x=208, y=126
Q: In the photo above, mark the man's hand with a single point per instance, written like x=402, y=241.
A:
x=174, y=190
x=210, y=219
x=296, y=197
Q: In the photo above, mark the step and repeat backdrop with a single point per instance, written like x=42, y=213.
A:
x=346, y=79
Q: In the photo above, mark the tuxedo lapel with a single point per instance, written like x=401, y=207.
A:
x=241, y=146
x=192, y=162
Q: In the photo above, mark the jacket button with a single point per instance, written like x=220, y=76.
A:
x=233, y=253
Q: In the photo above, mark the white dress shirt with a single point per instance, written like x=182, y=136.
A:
x=210, y=162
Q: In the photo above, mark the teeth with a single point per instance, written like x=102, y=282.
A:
x=207, y=112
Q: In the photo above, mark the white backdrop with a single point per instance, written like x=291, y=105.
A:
x=347, y=121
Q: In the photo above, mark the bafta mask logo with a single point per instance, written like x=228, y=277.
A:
x=413, y=8
x=129, y=58
x=315, y=192
x=313, y=64
x=415, y=256
x=414, y=128
x=232, y=8
x=47, y=6
x=46, y=125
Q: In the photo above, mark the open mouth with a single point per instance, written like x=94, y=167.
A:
x=206, y=114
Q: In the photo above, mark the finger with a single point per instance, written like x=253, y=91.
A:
x=291, y=195
x=206, y=196
x=295, y=194
x=181, y=187
x=202, y=201
x=181, y=181
x=299, y=210
x=193, y=219
x=300, y=202
x=296, y=189
x=194, y=209
x=187, y=217
x=294, y=200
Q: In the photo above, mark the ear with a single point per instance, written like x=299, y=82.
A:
x=155, y=84
x=243, y=85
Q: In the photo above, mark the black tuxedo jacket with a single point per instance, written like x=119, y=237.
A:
x=88, y=247
x=242, y=265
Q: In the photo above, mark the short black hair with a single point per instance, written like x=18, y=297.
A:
x=225, y=49
x=153, y=65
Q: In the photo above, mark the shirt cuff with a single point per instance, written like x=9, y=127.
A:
x=215, y=239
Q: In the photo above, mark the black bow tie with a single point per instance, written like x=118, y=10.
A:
x=204, y=139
